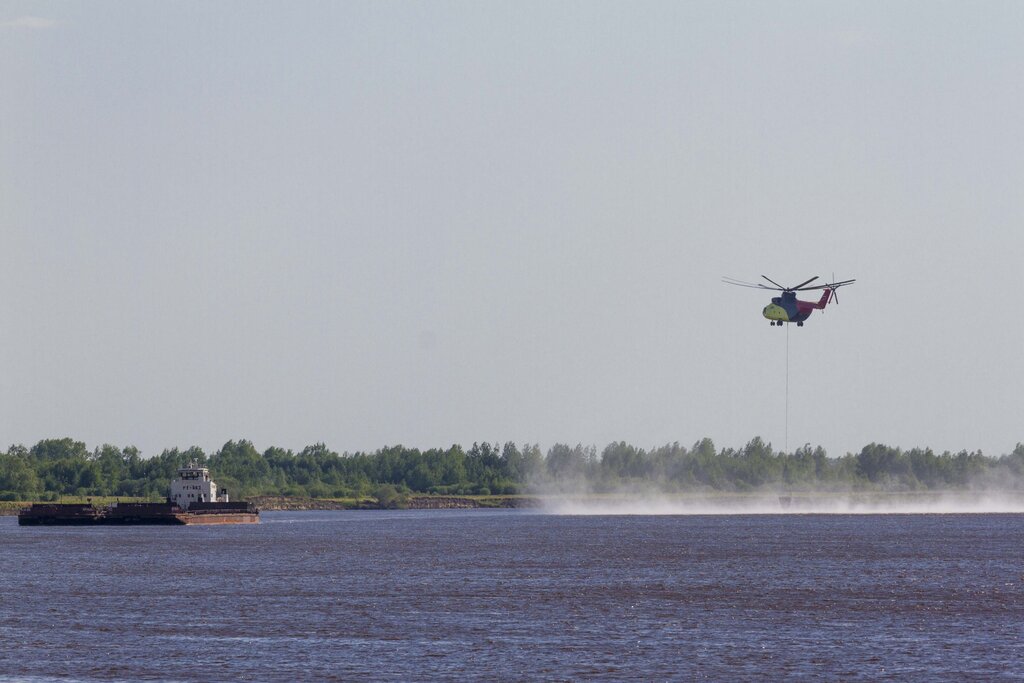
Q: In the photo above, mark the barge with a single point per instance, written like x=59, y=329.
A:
x=193, y=499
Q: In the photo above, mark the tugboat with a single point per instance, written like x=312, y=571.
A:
x=193, y=499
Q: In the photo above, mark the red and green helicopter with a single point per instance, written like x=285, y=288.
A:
x=787, y=308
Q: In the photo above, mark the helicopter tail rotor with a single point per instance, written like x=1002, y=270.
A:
x=833, y=286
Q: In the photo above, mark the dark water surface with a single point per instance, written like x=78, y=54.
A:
x=511, y=595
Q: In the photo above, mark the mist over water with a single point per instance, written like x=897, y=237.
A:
x=783, y=504
x=577, y=496
x=757, y=480
x=993, y=490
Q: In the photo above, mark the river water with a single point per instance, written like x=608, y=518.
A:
x=514, y=595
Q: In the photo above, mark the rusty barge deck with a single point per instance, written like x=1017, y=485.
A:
x=124, y=514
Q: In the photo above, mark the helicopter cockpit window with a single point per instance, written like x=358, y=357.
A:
x=776, y=299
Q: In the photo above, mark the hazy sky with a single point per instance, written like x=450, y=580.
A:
x=372, y=223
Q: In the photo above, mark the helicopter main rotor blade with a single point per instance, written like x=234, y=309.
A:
x=829, y=285
x=802, y=287
x=799, y=286
x=774, y=283
x=740, y=283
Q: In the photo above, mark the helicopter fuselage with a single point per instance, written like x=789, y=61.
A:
x=788, y=309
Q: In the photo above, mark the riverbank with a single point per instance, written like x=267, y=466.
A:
x=610, y=503
x=11, y=507
x=277, y=503
x=413, y=502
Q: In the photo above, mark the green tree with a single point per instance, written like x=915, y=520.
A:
x=876, y=461
x=564, y=461
x=59, y=449
x=389, y=498
x=16, y=475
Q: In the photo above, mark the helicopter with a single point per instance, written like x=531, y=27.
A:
x=787, y=308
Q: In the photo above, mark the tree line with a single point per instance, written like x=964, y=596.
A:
x=55, y=467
